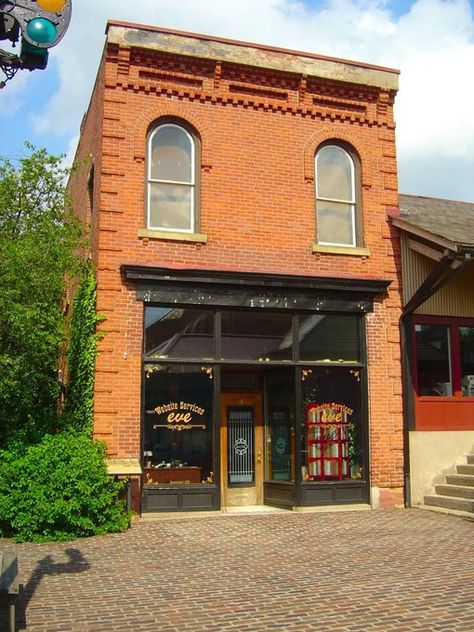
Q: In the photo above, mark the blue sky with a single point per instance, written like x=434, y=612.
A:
x=430, y=41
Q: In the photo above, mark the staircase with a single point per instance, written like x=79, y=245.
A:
x=457, y=494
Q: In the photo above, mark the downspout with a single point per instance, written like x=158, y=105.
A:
x=435, y=280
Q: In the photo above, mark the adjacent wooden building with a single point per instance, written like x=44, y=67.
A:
x=437, y=246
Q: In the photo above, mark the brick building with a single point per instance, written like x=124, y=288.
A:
x=238, y=199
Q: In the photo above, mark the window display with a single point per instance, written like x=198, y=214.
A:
x=334, y=435
x=328, y=436
x=178, y=425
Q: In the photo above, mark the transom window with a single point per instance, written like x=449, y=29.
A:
x=171, y=179
x=262, y=336
x=335, y=197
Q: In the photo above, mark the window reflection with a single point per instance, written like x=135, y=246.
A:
x=171, y=179
x=335, y=196
x=333, y=338
x=280, y=426
x=433, y=360
x=257, y=335
x=171, y=154
x=178, y=333
x=466, y=343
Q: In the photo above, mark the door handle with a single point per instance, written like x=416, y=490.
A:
x=259, y=457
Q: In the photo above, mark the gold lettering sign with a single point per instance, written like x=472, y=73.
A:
x=329, y=413
x=179, y=415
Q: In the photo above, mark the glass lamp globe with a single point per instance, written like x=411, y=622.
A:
x=41, y=30
x=51, y=5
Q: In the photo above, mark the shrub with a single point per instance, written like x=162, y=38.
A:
x=58, y=490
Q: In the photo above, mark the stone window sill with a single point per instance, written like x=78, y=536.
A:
x=342, y=250
x=172, y=236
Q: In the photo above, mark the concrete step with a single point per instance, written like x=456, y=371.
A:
x=443, y=510
x=460, y=491
x=450, y=502
x=470, y=458
x=459, y=479
x=465, y=469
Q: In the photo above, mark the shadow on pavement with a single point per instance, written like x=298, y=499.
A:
x=76, y=564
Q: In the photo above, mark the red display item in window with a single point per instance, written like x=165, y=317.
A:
x=327, y=432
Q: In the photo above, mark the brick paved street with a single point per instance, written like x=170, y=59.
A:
x=351, y=571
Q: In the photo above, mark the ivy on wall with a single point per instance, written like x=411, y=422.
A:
x=81, y=355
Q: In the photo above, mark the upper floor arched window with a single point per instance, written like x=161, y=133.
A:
x=172, y=179
x=336, y=196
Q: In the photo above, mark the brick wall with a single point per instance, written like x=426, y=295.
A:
x=259, y=131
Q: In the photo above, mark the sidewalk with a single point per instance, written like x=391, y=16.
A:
x=361, y=571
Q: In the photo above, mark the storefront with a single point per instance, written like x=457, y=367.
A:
x=254, y=389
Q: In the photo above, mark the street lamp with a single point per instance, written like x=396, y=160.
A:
x=38, y=25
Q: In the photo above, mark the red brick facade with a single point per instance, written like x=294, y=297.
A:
x=259, y=130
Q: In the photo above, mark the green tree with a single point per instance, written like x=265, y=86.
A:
x=39, y=245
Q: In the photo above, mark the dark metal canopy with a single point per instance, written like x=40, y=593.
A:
x=253, y=290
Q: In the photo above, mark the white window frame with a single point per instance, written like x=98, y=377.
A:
x=191, y=184
x=352, y=202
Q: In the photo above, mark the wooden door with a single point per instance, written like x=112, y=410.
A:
x=241, y=449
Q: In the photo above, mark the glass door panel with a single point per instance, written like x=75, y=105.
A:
x=241, y=449
x=240, y=446
x=279, y=426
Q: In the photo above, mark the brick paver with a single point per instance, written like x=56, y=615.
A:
x=371, y=571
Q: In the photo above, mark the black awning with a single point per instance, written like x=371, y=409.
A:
x=253, y=290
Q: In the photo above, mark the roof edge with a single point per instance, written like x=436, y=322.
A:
x=391, y=83
x=413, y=229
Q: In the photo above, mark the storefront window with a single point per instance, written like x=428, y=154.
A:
x=433, y=360
x=333, y=446
x=177, y=332
x=280, y=426
x=256, y=335
x=329, y=338
x=466, y=343
x=178, y=425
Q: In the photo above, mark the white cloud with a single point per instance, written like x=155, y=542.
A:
x=432, y=45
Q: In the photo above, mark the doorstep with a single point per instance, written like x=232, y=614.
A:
x=248, y=510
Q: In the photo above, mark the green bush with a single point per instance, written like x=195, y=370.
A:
x=81, y=355
x=58, y=490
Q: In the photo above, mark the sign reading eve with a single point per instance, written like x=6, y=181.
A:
x=328, y=413
x=180, y=415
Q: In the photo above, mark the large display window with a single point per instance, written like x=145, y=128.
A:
x=178, y=425
x=334, y=433
x=297, y=417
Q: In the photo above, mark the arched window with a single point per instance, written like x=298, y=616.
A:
x=336, y=196
x=171, y=179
